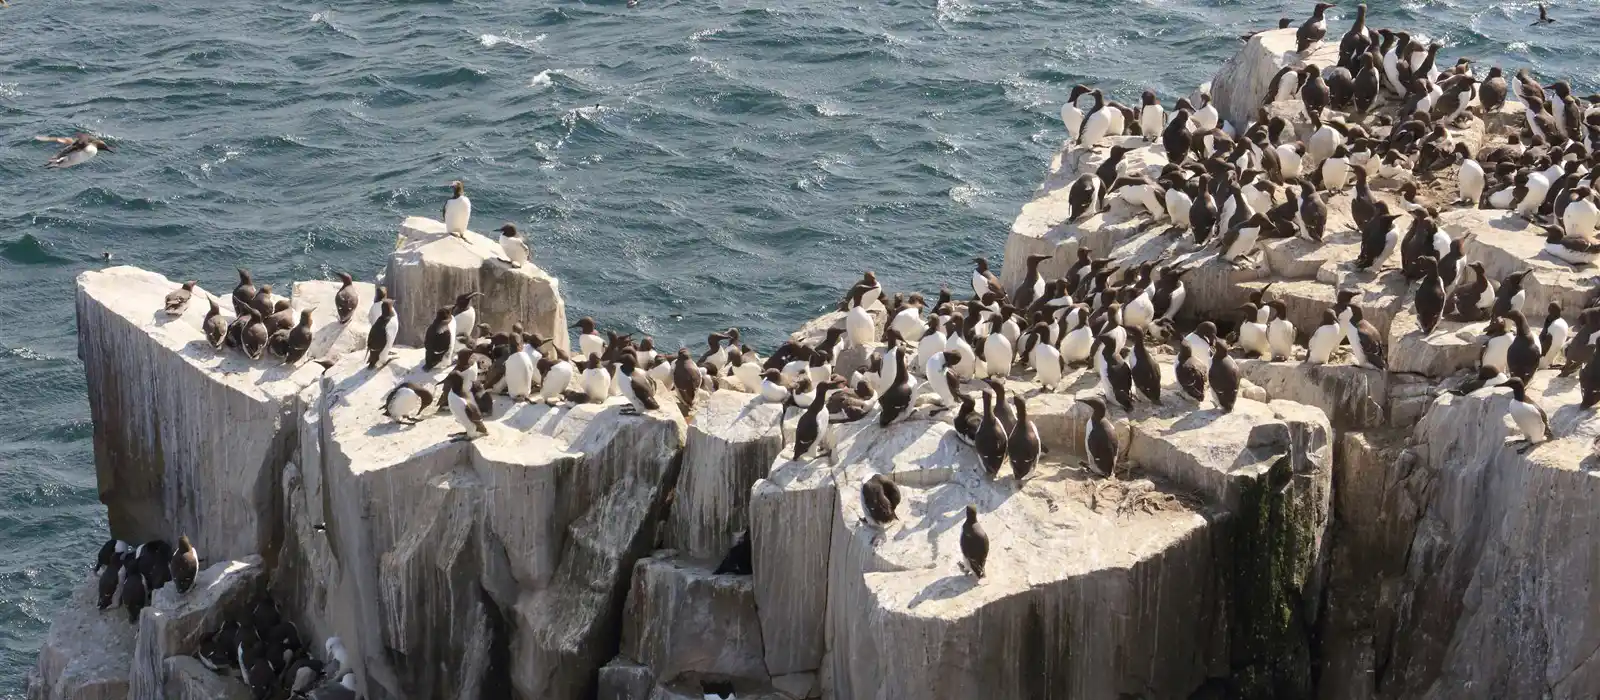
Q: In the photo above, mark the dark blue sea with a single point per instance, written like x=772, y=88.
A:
x=681, y=166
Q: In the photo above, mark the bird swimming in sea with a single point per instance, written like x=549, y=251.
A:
x=79, y=149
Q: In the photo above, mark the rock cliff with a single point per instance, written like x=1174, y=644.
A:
x=1342, y=533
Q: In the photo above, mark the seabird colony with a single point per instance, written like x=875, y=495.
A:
x=1380, y=119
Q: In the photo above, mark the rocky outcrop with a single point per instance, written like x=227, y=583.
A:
x=87, y=654
x=1241, y=85
x=733, y=438
x=187, y=440
x=176, y=624
x=673, y=606
x=430, y=268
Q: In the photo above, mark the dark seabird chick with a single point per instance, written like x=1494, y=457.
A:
x=438, y=340
x=404, y=403
x=1524, y=354
x=178, y=300
x=79, y=149
x=1191, y=373
x=110, y=576
x=1529, y=417
x=1023, y=445
x=380, y=338
x=1145, y=373
x=457, y=211
x=974, y=543
x=134, y=593
x=110, y=554
x=185, y=564
x=254, y=337
x=1099, y=438
x=967, y=420
x=244, y=294
x=897, y=398
x=879, y=498
x=513, y=245
x=465, y=410
x=1223, y=376
x=346, y=300
x=685, y=380
x=737, y=561
x=1488, y=377
x=300, y=338
x=637, y=387
x=1429, y=300
x=991, y=439
x=215, y=326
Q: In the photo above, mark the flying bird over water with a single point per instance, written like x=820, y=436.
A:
x=80, y=148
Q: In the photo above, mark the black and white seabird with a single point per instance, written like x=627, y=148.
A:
x=380, y=338
x=346, y=300
x=636, y=386
x=439, y=338
x=457, y=211
x=896, y=399
x=1509, y=296
x=1588, y=382
x=78, y=149
x=1083, y=197
x=178, y=300
x=404, y=403
x=1553, y=337
x=1527, y=414
x=1573, y=250
x=812, y=430
x=1023, y=445
x=1313, y=30
x=984, y=282
x=1190, y=373
x=1144, y=371
x=967, y=420
x=110, y=572
x=1366, y=346
x=513, y=245
x=464, y=408
x=1099, y=439
x=590, y=342
x=379, y=295
x=974, y=543
x=991, y=439
x=1429, y=299
x=110, y=554
x=185, y=564
x=879, y=498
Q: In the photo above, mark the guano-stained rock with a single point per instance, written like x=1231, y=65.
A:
x=733, y=440
x=430, y=268
x=680, y=619
x=176, y=624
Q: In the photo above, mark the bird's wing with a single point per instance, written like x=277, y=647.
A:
x=54, y=139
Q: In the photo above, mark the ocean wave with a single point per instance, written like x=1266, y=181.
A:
x=30, y=250
x=511, y=39
x=967, y=194
x=544, y=78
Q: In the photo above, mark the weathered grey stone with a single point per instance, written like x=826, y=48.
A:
x=161, y=399
x=188, y=679
x=1505, y=243
x=798, y=686
x=518, y=541
x=431, y=267
x=791, y=530
x=1353, y=398
x=87, y=654
x=177, y=624
x=1240, y=86
x=1050, y=580
x=733, y=439
x=680, y=618
x=1497, y=595
x=623, y=679
x=1451, y=347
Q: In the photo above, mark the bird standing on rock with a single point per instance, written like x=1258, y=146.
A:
x=457, y=211
x=1312, y=32
x=974, y=544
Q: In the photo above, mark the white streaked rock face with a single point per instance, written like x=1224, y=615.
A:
x=682, y=619
x=430, y=268
x=733, y=438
